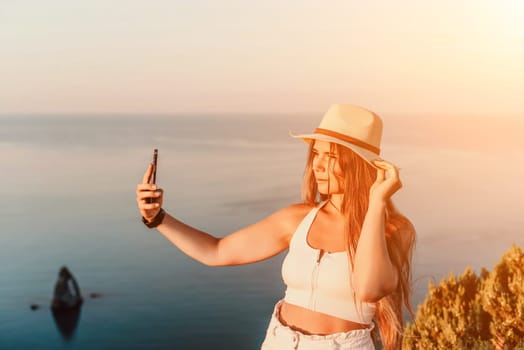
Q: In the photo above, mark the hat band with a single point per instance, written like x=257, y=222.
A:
x=349, y=139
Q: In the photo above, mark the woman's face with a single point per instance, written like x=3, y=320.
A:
x=326, y=168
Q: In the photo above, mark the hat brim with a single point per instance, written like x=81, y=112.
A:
x=365, y=154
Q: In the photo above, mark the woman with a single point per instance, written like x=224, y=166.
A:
x=349, y=258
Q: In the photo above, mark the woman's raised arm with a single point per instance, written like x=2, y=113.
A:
x=250, y=244
x=375, y=275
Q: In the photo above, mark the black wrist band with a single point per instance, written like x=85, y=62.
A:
x=157, y=220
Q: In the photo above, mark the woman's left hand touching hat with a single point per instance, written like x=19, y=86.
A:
x=387, y=182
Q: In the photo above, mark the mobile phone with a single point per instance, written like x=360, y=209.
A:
x=153, y=176
x=155, y=161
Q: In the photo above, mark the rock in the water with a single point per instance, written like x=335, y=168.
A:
x=95, y=295
x=67, y=293
x=66, y=304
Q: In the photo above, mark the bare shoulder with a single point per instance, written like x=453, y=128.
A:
x=288, y=218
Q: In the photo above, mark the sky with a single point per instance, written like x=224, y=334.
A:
x=407, y=57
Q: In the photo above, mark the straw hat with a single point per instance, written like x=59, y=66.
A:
x=351, y=126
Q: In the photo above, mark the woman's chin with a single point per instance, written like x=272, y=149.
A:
x=328, y=192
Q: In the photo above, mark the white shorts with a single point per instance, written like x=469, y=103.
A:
x=281, y=337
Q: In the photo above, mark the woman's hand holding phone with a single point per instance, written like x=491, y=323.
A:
x=148, y=196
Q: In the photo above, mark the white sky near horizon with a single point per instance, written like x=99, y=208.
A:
x=129, y=56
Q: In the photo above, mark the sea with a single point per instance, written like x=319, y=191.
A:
x=68, y=199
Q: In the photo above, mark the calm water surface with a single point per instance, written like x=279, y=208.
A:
x=68, y=187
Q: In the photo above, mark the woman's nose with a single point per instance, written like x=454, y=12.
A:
x=319, y=163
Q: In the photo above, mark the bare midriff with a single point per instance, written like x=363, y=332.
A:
x=312, y=322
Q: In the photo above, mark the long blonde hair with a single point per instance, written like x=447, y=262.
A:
x=357, y=178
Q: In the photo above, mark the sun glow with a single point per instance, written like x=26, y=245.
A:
x=416, y=57
x=509, y=16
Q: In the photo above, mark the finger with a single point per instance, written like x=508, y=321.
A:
x=394, y=173
x=144, y=197
x=148, y=194
x=145, y=187
x=149, y=201
x=390, y=168
x=381, y=174
x=148, y=206
x=383, y=164
x=148, y=173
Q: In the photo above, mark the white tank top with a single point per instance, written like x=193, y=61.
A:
x=319, y=282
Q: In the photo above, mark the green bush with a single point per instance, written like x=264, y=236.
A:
x=473, y=312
